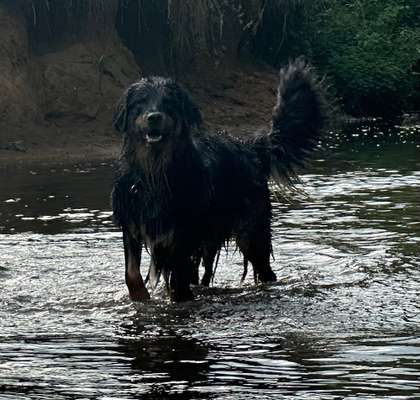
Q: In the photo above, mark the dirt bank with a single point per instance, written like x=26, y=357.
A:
x=55, y=103
x=57, y=100
x=240, y=103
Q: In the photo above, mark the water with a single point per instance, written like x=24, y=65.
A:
x=343, y=321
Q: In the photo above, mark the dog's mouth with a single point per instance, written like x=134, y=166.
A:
x=153, y=136
x=154, y=127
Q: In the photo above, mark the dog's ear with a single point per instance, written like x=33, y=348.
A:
x=119, y=121
x=191, y=111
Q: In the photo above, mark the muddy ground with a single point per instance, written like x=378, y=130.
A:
x=57, y=99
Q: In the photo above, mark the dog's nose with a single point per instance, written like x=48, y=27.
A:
x=154, y=118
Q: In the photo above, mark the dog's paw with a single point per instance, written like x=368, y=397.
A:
x=140, y=294
x=179, y=296
x=267, y=276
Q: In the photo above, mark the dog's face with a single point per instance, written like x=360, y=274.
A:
x=156, y=112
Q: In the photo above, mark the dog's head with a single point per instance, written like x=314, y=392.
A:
x=156, y=112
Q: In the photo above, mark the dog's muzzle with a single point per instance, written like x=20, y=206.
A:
x=154, y=126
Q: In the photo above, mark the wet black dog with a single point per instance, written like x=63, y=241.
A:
x=183, y=192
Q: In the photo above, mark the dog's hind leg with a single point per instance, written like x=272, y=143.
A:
x=196, y=261
x=210, y=252
x=245, y=271
x=254, y=241
x=258, y=251
x=133, y=278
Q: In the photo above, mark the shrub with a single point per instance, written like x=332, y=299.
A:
x=371, y=50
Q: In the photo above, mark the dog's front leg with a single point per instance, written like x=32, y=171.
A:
x=133, y=278
x=180, y=279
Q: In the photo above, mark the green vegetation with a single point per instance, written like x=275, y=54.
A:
x=369, y=49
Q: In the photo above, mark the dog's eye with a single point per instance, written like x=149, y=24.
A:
x=142, y=99
x=169, y=107
x=137, y=108
x=136, y=101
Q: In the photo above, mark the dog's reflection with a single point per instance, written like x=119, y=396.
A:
x=161, y=359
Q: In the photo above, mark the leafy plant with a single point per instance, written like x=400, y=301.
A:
x=371, y=49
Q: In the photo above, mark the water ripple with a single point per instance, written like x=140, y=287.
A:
x=341, y=322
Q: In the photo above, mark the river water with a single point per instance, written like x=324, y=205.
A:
x=342, y=322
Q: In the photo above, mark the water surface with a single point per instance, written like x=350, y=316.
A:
x=342, y=322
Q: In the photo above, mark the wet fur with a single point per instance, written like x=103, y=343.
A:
x=187, y=196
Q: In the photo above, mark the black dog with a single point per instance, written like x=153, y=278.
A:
x=183, y=192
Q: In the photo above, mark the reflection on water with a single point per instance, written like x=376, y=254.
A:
x=54, y=200
x=343, y=321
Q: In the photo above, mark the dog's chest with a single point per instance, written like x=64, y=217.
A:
x=153, y=237
x=153, y=225
x=158, y=206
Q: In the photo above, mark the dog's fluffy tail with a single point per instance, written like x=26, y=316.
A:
x=298, y=120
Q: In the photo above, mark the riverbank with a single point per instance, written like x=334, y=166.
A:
x=239, y=101
x=57, y=97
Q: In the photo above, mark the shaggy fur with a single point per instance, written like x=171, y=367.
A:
x=183, y=192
